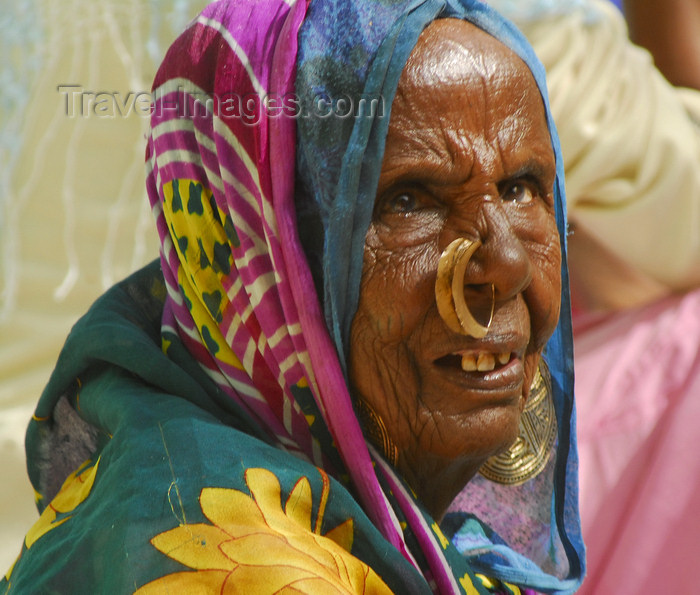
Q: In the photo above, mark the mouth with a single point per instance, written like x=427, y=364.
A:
x=476, y=360
x=491, y=371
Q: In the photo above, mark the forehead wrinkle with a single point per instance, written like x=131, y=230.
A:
x=448, y=155
x=473, y=145
x=478, y=89
x=525, y=139
x=505, y=136
x=432, y=148
x=461, y=153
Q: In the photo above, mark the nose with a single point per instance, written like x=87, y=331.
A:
x=501, y=267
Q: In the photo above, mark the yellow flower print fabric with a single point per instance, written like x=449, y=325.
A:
x=254, y=545
x=74, y=491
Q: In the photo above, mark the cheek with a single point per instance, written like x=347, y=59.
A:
x=382, y=371
x=396, y=293
x=544, y=294
x=397, y=289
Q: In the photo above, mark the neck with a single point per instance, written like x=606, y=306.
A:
x=437, y=481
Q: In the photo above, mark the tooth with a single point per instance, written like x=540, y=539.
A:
x=504, y=358
x=468, y=363
x=486, y=362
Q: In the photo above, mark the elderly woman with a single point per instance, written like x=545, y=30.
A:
x=212, y=425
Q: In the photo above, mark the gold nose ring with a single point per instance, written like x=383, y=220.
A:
x=449, y=289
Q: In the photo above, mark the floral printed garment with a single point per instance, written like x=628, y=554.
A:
x=175, y=500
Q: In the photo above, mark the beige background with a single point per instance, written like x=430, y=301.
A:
x=73, y=211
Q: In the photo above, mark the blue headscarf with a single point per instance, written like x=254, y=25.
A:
x=352, y=49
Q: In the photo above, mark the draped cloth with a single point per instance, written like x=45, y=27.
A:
x=250, y=94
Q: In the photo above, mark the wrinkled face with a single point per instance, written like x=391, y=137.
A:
x=468, y=155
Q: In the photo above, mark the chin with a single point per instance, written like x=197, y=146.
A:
x=474, y=438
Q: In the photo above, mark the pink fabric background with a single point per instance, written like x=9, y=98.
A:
x=638, y=401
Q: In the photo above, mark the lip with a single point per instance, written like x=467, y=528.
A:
x=501, y=381
x=502, y=384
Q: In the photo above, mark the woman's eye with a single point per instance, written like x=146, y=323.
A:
x=519, y=193
x=402, y=203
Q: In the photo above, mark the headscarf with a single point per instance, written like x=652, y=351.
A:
x=241, y=105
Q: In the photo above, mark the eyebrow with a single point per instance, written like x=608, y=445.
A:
x=539, y=167
x=441, y=172
x=431, y=165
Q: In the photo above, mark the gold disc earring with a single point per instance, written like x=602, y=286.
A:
x=376, y=432
x=529, y=454
x=449, y=289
